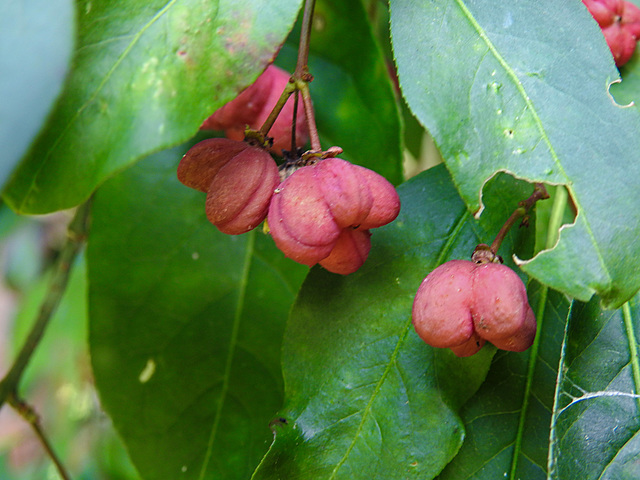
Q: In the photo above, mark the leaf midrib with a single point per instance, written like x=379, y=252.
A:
x=452, y=237
x=521, y=90
x=233, y=342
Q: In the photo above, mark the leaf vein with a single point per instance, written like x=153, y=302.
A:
x=529, y=104
x=233, y=342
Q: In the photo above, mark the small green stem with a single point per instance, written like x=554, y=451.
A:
x=28, y=413
x=268, y=123
x=557, y=213
x=76, y=234
x=633, y=348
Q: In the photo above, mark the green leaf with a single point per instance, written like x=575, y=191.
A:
x=36, y=41
x=507, y=421
x=523, y=88
x=186, y=326
x=365, y=397
x=529, y=421
x=146, y=74
x=354, y=102
x=596, y=422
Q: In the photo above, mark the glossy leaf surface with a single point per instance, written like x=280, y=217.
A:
x=185, y=326
x=524, y=89
x=365, y=397
x=528, y=421
x=146, y=74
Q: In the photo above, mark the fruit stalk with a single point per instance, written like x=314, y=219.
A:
x=302, y=67
x=539, y=193
x=299, y=82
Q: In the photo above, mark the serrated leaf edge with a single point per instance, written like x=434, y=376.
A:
x=521, y=90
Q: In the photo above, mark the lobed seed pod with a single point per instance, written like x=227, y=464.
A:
x=620, y=24
x=246, y=107
x=300, y=220
x=322, y=207
x=441, y=312
x=349, y=253
x=500, y=302
x=239, y=195
x=205, y=159
x=461, y=304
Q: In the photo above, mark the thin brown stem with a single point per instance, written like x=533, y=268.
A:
x=539, y=193
x=311, y=121
x=28, y=413
x=294, y=123
x=302, y=67
x=76, y=234
x=299, y=82
x=489, y=254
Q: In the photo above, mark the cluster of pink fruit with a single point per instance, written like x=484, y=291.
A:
x=620, y=24
x=320, y=209
x=320, y=213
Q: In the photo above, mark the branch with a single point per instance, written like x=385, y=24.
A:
x=27, y=412
x=77, y=231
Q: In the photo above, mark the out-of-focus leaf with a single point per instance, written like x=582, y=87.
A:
x=186, y=326
x=146, y=74
x=36, y=42
x=365, y=397
x=354, y=101
x=523, y=87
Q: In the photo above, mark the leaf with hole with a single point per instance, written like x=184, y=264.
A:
x=524, y=89
x=364, y=396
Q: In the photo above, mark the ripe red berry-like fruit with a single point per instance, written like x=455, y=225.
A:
x=238, y=178
x=252, y=107
x=620, y=24
x=322, y=213
x=462, y=304
x=203, y=161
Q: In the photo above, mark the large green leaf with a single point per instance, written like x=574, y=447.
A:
x=596, y=416
x=146, y=74
x=354, y=102
x=529, y=421
x=523, y=87
x=36, y=41
x=365, y=397
x=186, y=326
x=507, y=421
